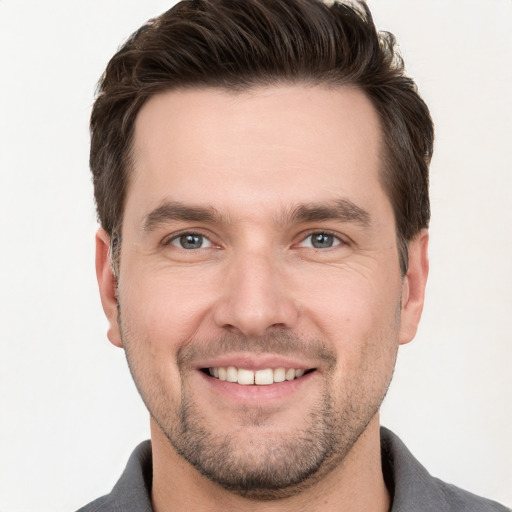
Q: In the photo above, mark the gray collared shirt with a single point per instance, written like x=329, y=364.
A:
x=411, y=486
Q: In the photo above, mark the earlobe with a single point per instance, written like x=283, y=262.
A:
x=413, y=287
x=107, y=286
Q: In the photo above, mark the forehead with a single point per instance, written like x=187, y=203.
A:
x=258, y=148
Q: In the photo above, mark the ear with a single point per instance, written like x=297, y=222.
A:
x=107, y=286
x=413, y=287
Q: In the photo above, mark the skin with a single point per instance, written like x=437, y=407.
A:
x=259, y=294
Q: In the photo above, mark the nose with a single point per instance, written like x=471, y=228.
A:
x=255, y=297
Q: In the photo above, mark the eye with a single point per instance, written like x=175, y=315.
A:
x=320, y=241
x=190, y=241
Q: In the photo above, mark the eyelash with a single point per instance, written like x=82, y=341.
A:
x=340, y=241
x=337, y=237
x=168, y=240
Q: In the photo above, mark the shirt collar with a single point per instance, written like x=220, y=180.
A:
x=410, y=485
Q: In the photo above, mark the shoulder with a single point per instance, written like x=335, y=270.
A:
x=103, y=504
x=413, y=488
x=133, y=490
x=461, y=500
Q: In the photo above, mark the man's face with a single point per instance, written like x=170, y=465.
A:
x=258, y=242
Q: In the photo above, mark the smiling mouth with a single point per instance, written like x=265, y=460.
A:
x=263, y=377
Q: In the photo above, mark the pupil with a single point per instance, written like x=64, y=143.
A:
x=321, y=240
x=191, y=241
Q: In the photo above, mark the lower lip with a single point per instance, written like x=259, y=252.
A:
x=253, y=393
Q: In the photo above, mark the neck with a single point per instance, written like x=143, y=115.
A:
x=355, y=484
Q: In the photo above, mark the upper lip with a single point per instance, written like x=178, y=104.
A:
x=255, y=362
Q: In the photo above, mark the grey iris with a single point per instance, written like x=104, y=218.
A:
x=191, y=241
x=321, y=240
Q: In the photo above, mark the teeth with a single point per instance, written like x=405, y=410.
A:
x=290, y=374
x=259, y=377
x=279, y=375
x=231, y=374
x=264, y=377
x=245, y=377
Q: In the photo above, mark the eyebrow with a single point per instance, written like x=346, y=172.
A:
x=342, y=210
x=175, y=211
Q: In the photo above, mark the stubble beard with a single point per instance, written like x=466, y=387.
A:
x=265, y=467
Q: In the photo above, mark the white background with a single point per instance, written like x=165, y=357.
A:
x=69, y=413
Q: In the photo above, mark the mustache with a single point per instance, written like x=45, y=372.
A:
x=280, y=343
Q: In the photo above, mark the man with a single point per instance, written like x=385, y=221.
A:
x=261, y=178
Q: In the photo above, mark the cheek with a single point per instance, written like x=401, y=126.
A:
x=166, y=307
x=356, y=301
x=358, y=313
x=153, y=329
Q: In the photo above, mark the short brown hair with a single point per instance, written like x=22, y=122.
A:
x=239, y=44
